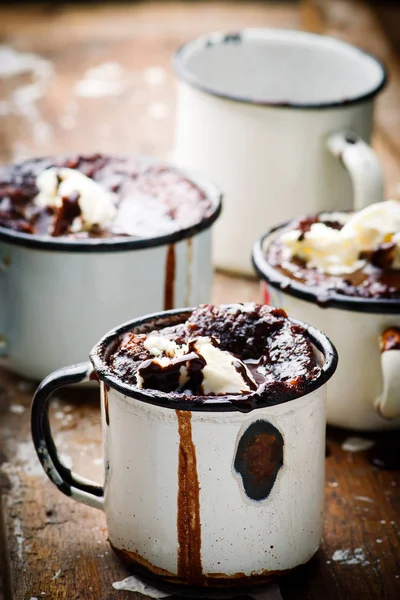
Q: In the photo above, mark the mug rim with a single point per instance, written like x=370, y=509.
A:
x=294, y=288
x=218, y=37
x=120, y=244
x=221, y=403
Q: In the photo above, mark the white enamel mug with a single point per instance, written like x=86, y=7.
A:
x=58, y=295
x=200, y=492
x=365, y=393
x=281, y=120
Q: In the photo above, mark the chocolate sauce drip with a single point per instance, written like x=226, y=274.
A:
x=166, y=378
x=157, y=377
x=188, y=501
x=169, y=284
x=66, y=214
x=241, y=369
x=258, y=377
x=189, y=271
x=195, y=368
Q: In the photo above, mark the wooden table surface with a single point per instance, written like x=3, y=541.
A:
x=52, y=547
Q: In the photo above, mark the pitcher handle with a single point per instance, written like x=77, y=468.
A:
x=362, y=165
x=73, y=485
x=388, y=403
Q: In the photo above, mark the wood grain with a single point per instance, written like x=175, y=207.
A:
x=48, y=542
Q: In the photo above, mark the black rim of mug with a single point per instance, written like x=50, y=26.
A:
x=100, y=352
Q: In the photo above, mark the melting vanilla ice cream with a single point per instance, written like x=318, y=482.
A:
x=97, y=205
x=337, y=252
x=223, y=373
x=200, y=366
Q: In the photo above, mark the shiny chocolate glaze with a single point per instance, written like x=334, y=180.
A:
x=132, y=180
x=375, y=280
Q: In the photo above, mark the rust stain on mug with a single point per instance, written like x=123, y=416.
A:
x=144, y=568
x=241, y=579
x=169, y=283
x=259, y=457
x=390, y=339
x=188, y=520
x=133, y=560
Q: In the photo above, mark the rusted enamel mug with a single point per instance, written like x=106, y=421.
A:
x=47, y=286
x=198, y=492
x=365, y=394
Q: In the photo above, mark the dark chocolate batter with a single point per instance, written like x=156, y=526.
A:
x=276, y=351
x=130, y=179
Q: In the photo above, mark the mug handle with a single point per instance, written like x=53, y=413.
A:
x=77, y=487
x=362, y=165
x=388, y=403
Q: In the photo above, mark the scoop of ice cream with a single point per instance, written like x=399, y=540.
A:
x=96, y=204
x=223, y=373
x=337, y=252
x=199, y=366
x=325, y=249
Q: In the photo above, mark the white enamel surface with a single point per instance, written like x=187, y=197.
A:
x=273, y=163
x=141, y=446
x=388, y=404
x=54, y=306
x=358, y=382
x=237, y=533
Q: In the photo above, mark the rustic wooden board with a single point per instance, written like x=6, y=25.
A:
x=46, y=532
x=51, y=546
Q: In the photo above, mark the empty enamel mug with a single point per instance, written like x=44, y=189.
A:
x=281, y=120
x=365, y=394
x=57, y=295
x=175, y=493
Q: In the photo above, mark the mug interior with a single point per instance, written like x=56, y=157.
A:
x=280, y=67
